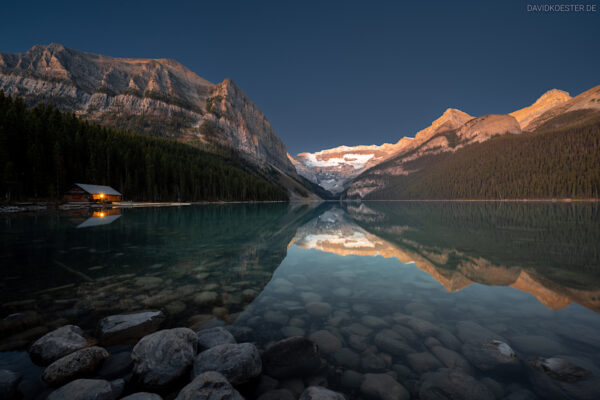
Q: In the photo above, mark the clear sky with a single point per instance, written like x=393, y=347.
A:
x=328, y=73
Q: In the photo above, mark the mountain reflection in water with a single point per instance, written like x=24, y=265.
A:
x=458, y=247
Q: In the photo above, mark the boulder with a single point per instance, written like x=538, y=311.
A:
x=208, y=386
x=320, y=393
x=9, y=382
x=57, y=344
x=292, y=357
x=75, y=365
x=491, y=355
x=239, y=363
x=383, y=387
x=129, y=328
x=89, y=389
x=212, y=337
x=142, y=396
x=448, y=383
x=163, y=357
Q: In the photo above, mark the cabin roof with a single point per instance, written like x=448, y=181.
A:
x=97, y=189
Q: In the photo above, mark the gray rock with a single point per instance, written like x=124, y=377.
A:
x=163, y=357
x=266, y=384
x=452, y=384
x=209, y=386
x=327, y=342
x=495, y=387
x=116, y=365
x=294, y=385
x=8, y=384
x=423, y=362
x=278, y=394
x=89, y=389
x=142, y=396
x=320, y=393
x=391, y=342
x=318, y=309
x=75, y=365
x=57, y=344
x=212, y=337
x=372, y=363
x=491, y=355
x=129, y=328
x=383, y=387
x=292, y=357
x=239, y=363
x=559, y=369
x=206, y=298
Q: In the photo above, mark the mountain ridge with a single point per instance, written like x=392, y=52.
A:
x=161, y=97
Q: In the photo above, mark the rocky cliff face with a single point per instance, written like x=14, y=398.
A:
x=547, y=101
x=156, y=96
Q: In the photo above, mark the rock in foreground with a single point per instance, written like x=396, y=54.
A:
x=89, y=389
x=163, y=357
x=209, y=386
x=8, y=384
x=129, y=328
x=239, y=363
x=75, y=365
x=57, y=344
x=383, y=387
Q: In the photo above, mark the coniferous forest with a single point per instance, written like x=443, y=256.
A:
x=546, y=164
x=44, y=151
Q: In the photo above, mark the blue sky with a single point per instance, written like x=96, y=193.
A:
x=328, y=73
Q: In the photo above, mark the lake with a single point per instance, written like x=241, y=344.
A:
x=397, y=288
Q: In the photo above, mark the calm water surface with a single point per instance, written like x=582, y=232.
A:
x=357, y=275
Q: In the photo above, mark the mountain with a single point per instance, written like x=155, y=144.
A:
x=334, y=168
x=546, y=102
x=446, y=163
x=156, y=96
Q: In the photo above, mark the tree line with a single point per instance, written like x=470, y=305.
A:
x=44, y=151
x=560, y=163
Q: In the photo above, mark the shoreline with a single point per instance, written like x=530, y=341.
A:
x=43, y=206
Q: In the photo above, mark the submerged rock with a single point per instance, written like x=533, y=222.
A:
x=383, y=387
x=327, y=342
x=452, y=384
x=320, y=393
x=129, y=328
x=8, y=384
x=239, y=363
x=391, y=342
x=292, y=357
x=208, y=386
x=423, y=362
x=89, y=389
x=212, y=337
x=164, y=356
x=318, y=309
x=57, y=344
x=277, y=394
x=451, y=359
x=116, y=365
x=559, y=369
x=491, y=355
x=75, y=365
